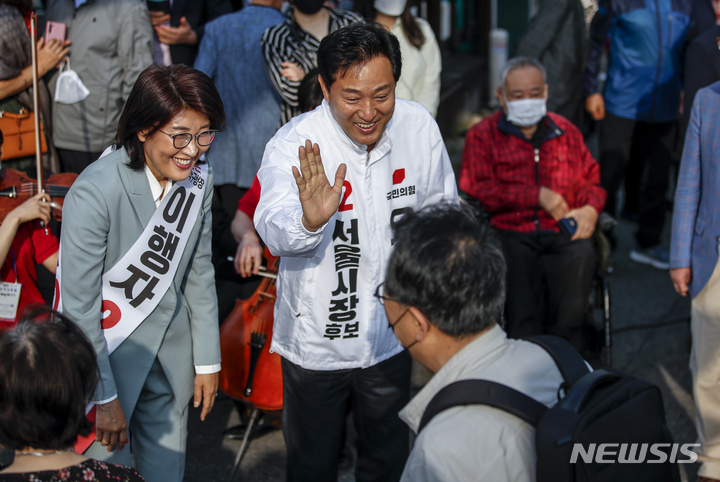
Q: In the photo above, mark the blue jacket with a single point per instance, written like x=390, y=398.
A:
x=696, y=217
x=647, y=44
x=231, y=55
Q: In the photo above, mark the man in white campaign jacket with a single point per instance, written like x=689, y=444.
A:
x=387, y=158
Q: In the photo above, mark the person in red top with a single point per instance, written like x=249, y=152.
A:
x=529, y=169
x=23, y=244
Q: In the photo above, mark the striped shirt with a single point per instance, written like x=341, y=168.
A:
x=288, y=42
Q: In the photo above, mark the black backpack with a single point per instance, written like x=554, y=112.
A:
x=600, y=407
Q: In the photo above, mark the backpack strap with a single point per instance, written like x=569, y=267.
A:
x=571, y=364
x=484, y=392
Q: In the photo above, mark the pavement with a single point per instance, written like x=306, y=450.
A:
x=651, y=340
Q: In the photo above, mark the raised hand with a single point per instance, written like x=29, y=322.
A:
x=319, y=199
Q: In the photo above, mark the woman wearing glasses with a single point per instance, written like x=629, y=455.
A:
x=135, y=270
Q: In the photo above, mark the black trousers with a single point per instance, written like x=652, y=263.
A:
x=224, y=204
x=314, y=414
x=641, y=154
x=549, y=279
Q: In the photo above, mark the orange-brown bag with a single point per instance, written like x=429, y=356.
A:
x=19, y=135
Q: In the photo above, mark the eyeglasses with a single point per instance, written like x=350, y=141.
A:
x=203, y=139
x=380, y=293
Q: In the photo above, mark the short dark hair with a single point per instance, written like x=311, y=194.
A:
x=159, y=94
x=49, y=372
x=310, y=93
x=451, y=267
x=356, y=45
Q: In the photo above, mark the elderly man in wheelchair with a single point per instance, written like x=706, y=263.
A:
x=532, y=173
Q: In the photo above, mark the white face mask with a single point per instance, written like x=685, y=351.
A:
x=526, y=112
x=69, y=88
x=393, y=8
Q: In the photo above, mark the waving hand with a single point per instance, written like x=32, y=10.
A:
x=319, y=199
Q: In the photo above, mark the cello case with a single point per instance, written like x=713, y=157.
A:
x=250, y=373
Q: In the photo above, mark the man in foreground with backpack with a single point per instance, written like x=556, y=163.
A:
x=444, y=295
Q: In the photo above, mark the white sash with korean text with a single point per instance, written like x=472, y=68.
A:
x=133, y=288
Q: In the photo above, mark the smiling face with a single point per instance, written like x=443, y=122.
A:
x=362, y=100
x=163, y=159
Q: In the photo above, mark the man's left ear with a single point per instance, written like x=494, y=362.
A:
x=422, y=322
x=547, y=91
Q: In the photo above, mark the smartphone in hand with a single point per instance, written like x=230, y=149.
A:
x=55, y=31
x=567, y=226
x=159, y=6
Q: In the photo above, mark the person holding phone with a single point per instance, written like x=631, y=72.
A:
x=16, y=73
x=530, y=170
x=179, y=27
x=111, y=46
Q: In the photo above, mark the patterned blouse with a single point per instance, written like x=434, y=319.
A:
x=89, y=471
x=288, y=42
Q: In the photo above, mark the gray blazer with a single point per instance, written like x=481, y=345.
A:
x=105, y=212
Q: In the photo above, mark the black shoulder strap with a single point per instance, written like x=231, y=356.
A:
x=571, y=364
x=484, y=392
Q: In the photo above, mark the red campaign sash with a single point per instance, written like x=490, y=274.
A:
x=133, y=288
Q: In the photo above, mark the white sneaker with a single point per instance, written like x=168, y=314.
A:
x=657, y=257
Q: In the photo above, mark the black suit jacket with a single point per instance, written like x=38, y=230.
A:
x=702, y=67
x=703, y=18
x=197, y=13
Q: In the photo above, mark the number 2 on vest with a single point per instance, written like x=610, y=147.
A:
x=348, y=190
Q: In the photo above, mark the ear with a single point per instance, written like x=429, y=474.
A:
x=142, y=136
x=547, y=90
x=422, y=322
x=325, y=90
x=500, y=97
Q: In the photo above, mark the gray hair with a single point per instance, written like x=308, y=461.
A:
x=519, y=63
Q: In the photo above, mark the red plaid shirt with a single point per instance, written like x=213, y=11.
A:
x=499, y=169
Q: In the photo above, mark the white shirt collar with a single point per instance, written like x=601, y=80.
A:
x=156, y=188
x=382, y=146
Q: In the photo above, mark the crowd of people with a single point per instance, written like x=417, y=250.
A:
x=201, y=135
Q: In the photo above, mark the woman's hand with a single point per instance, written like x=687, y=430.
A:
x=37, y=207
x=50, y=54
x=206, y=387
x=292, y=71
x=111, y=426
